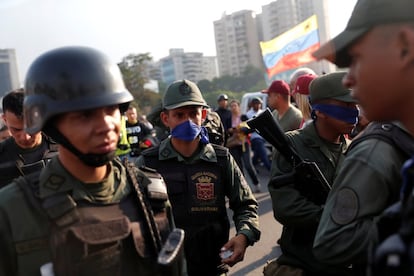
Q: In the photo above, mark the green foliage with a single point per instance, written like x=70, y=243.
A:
x=134, y=68
x=134, y=71
x=252, y=79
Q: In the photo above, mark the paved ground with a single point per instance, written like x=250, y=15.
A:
x=267, y=248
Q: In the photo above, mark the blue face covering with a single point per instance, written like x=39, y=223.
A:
x=188, y=131
x=345, y=114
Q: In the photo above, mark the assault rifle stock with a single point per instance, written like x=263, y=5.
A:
x=309, y=179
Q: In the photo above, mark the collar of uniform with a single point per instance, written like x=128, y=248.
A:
x=55, y=178
x=167, y=151
x=312, y=139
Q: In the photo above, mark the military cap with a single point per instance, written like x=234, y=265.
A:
x=183, y=93
x=278, y=86
x=366, y=15
x=330, y=86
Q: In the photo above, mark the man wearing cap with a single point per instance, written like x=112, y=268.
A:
x=378, y=47
x=199, y=177
x=322, y=141
x=301, y=94
x=224, y=113
x=288, y=116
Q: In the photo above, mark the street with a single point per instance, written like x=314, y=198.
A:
x=266, y=248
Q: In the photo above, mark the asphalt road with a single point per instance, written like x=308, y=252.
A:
x=266, y=248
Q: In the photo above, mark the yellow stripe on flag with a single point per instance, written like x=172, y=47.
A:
x=280, y=41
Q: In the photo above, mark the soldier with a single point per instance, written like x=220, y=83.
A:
x=137, y=133
x=334, y=114
x=224, y=113
x=22, y=153
x=86, y=213
x=378, y=47
x=199, y=176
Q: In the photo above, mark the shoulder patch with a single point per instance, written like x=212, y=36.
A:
x=345, y=207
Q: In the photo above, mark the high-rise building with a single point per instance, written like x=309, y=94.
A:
x=237, y=43
x=191, y=65
x=9, y=78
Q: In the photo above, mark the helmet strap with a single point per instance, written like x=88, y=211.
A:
x=89, y=159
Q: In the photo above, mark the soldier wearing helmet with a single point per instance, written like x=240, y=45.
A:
x=199, y=177
x=85, y=213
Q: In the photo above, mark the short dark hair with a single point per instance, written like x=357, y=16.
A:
x=13, y=102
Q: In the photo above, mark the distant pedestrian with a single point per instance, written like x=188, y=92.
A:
x=239, y=143
x=301, y=95
x=138, y=133
x=224, y=112
x=260, y=153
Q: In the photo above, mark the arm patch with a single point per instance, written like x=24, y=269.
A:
x=346, y=207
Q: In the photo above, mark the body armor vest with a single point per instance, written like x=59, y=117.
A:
x=14, y=164
x=95, y=239
x=197, y=195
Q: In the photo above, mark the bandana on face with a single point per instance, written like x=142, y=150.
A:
x=344, y=114
x=188, y=131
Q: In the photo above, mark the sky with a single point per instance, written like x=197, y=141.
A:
x=122, y=27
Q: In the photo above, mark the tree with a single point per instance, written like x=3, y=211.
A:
x=134, y=70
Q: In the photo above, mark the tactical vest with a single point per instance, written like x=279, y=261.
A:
x=94, y=239
x=197, y=195
x=30, y=162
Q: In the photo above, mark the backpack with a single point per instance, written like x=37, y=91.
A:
x=389, y=133
x=215, y=129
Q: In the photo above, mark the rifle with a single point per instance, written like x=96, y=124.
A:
x=309, y=179
x=170, y=254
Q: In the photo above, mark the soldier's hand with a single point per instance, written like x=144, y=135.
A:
x=237, y=245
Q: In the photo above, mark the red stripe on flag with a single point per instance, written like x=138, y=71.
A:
x=293, y=60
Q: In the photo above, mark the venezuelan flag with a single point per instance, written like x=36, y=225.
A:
x=291, y=49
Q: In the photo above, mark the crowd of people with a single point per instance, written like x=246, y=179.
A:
x=87, y=186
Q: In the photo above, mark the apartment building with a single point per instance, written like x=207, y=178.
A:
x=9, y=78
x=238, y=35
x=237, y=42
x=187, y=65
